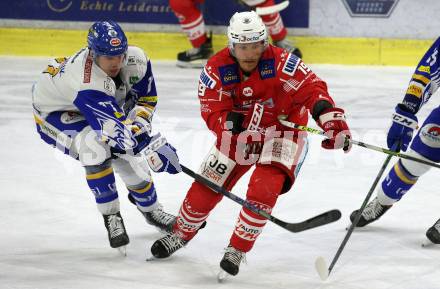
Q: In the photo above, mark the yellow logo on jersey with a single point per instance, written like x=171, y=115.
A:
x=148, y=99
x=118, y=114
x=52, y=71
x=414, y=90
x=60, y=59
x=423, y=68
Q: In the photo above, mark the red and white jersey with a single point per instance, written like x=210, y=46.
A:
x=281, y=81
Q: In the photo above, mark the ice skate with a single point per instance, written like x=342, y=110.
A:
x=117, y=235
x=230, y=264
x=372, y=212
x=162, y=220
x=167, y=245
x=432, y=235
x=196, y=57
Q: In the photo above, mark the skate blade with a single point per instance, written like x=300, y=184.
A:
x=427, y=243
x=122, y=250
x=222, y=276
x=151, y=258
x=321, y=268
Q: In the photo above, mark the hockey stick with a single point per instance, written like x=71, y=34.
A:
x=362, y=144
x=320, y=263
x=272, y=9
x=319, y=220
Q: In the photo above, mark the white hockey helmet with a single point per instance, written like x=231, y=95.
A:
x=246, y=27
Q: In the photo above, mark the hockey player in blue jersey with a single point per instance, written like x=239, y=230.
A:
x=97, y=106
x=426, y=144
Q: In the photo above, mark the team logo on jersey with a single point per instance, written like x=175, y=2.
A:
x=112, y=128
x=430, y=135
x=207, y=80
x=291, y=65
x=115, y=42
x=229, y=74
x=267, y=68
x=247, y=91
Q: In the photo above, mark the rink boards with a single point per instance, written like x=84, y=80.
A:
x=334, y=50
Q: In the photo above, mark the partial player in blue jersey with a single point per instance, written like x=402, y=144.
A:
x=97, y=107
x=426, y=144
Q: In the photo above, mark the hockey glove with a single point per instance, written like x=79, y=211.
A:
x=332, y=121
x=402, y=128
x=161, y=156
x=256, y=119
x=139, y=120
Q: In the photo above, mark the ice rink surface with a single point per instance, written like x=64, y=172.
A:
x=52, y=235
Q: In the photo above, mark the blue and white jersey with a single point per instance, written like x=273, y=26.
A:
x=78, y=84
x=425, y=80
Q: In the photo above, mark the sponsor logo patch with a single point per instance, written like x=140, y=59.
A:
x=131, y=60
x=247, y=91
x=87, y=70
x=115, y=42
x=133, y=79
x=250, y=38
x=108, y=86
x=415, y=90
x=291, y=65
x=267, y=68
x=430, y=135
x=229, y=74
x=426, y=69
x=207, y=80
x=217, y=167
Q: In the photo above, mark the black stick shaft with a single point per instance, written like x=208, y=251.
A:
x=230, y=195
x=359, y=214
x=362, y=144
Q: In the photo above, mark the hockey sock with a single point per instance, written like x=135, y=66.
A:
x=144, y=195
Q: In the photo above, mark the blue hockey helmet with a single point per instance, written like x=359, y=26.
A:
x=107, y=38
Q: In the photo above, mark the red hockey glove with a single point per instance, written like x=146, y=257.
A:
x=256, y=119
x=332, y=121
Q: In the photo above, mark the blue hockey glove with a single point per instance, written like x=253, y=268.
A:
x=161, y=156
x=402, y=127
x=143, y=141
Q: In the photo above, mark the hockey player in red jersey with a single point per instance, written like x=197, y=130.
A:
x=243, y=90
x=191, y=20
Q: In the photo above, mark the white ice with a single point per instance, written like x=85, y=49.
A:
x=52, y=236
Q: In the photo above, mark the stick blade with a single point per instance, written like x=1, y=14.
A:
x=272, y=9
x=321, y=268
